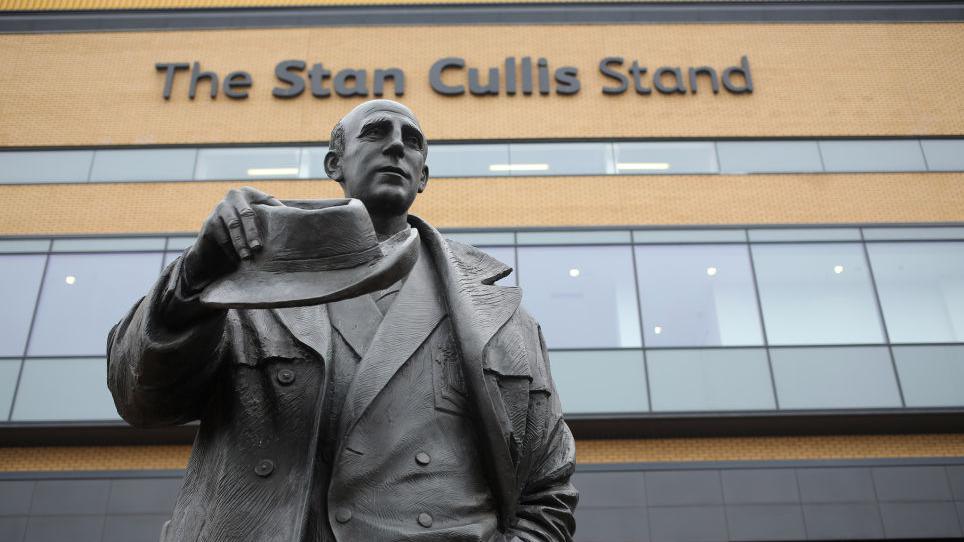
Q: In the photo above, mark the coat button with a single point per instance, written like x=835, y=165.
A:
x=343, y=515
x=425, y=520
x=264, y=468
x=422, y=458
x=285, y=377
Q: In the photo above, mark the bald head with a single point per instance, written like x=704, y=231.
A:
x=337, y=142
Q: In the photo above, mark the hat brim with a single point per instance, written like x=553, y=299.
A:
x=250, y=287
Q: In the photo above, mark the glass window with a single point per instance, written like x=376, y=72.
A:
x=600, y=380
x=704, y=380
x=697, y=295
x=505, y=255
x=170, y=257
x=45, y=166
x=560, y=158
x=931, y=376
x=84, y=295
x=20, y=277
x=24, y=245
x=690, y=236
x=921, y=287
x=9, y=370
x=854, y=377
x=769, y=156
x=249, y=163
x=313, y=163
x=927, y=232
x=816, y=294
x=573, y=237
x=944, y=154
x=64, y=389
x=468, y=160
x=180, y=243
x=584, y=297
x=130, y=244
x=662, y=158
x=895, y=155
x=482, y=238
x=143, y=165
x=804, y=234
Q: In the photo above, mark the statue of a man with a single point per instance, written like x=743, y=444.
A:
x=424, y=411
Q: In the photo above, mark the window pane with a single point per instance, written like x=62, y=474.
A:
x=931, y=376
x=129, y=244
x=482, y=237
x=902, y=155
x=84, y=295
x=803, y=234
x=144, y=165
x=702, y=380
x=45, y=166
x=505, y=255
x=949, y=233
x=64, y=389
x=855, y=377
x=468, y=160
x=249, y=163
x=20, y=278
x=769, y=156
x=561, y=158
x=600, y=381
x=597, y=237
x=9, y=370
x=662, y=158
x=690, y=236
x=313, y=163
x=170, y=257
x=921, y=287
x=816, y=294
x=944, y=154
x=584, y=297
x=697, y=295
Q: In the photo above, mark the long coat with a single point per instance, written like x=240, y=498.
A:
x=253, y=379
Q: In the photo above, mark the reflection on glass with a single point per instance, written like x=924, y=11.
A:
x=662, y=158
x=249, y=163
x=143, y=165
x=921, y=287
x=559, y=159
x=842, y=377
x=45, y=166
x=805, y=302
x=313, y=163
x=600, y=381
x=467, y=160
x=505, y=255
x=944, y=154
x=931, y=376
x=697, y=295
x=883, y=155
x=9, y=370
x=20, y=278
x=79, y=386
x=594, y=309
x=74, y=316
x=704, y=380
x=769, y=156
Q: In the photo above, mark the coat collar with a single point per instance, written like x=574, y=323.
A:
x=310, y=325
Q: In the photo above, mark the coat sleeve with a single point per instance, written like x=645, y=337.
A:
x=163, y=355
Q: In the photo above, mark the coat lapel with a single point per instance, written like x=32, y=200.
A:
x=310, y=325
x=356, y=319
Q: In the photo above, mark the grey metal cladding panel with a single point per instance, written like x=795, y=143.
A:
x=15, y=496
x=133, y=528
x=956, y=476
x=766, y=522
x=760, y=486
x=920, y=520
x=612, y=524
x=63, y=497
x=610, y=489
x=687, y=523
x=842, y=521
x=64, y=529
x=836, y=485
x=912, y=484
x=13, y=528
x=143, y=496
x=675, y=488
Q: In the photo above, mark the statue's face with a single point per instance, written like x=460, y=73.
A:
x=383, y=164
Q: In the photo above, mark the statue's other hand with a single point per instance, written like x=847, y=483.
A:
x=228, y=236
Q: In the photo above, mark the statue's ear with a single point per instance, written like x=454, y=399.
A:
x=423, y=181
x=333, y=165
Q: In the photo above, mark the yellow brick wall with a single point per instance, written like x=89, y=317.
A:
x=810, y=80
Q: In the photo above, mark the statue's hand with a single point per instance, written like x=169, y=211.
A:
x=228, y=236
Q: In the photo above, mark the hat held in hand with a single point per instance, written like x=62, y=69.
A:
x=315, y=251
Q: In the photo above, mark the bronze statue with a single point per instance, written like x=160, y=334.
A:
x=414, y=404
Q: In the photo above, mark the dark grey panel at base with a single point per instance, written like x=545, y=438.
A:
x=843, y=521
x=920, y=520
x=134, y=528
x=56, y=497
x=612, y=524
x=765, y=522
x=760, y=486
x=688, y=524
x=139, y=496
x=912, y=484
x=611, y=489
x=61, y=528
x=836, y=485
x=676, y=488
x=13, y=528
x=15, y=497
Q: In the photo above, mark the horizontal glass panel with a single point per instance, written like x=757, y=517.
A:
x=804, y=234
x=45, y=166
x=313, y=163
x=816, y=294
x=64, y=389
x=944, y=154
x=24, y=245
x=584, y=297
x=468, y=160
x=20, y=277
x=572, y=237
x=842, y=377
x=170, y=257
x=143, y=165
x=921, y=288
x=900, y=234
x=697, y=295
x=600, y=380
x=898, y=155
x=559, y=159
x=931, y=376
x=769, y=156
x=689, y=236
x=180, y=243
x=9, y=371
x=128, y=244
x=704, y=380
x=249, y=163
x=483, y=238
x=505, y=255
x=662, y=158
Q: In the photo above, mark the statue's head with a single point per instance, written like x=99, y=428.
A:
x=377, y=153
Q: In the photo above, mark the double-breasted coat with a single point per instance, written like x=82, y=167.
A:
x=256, y=378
